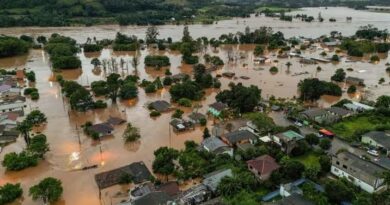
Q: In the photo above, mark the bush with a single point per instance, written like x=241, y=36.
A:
x=92, y=47
x=28, y=91
x=151, y=88
x=167, y=81
x=185, y=102
x=30, y=76
x=325, y=143
x=157, y=61
x=273, y=69
x=352, y=89
x=34, y=95
x=66, y=62
x=178, y=113
x=335, y=58
x=15, y=162
x=10, y=192
x=374, y=58
x=154, y=113
x=203, y=122
x=191, y=59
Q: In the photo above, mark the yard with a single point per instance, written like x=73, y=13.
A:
x=310, y=159
x=353, y=127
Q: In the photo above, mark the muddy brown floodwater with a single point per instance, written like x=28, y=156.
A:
x=70, y=149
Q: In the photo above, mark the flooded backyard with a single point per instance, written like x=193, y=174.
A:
x=71, y=149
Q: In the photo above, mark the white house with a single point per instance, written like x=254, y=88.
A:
x=361, y=173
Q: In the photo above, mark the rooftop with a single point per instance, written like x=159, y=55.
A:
x=218, y=106
x=213, y=179
x=160, y=105
x=213, y=143
x=137, y=170
x=240, y=135
x=380, y=137
x=290, y=135
x=264, y=164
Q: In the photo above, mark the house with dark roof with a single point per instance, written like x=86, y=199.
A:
x=239, y=137
x=339, y=112
x=362, y=173
x=212, y=180
x=137, y=171
x=115, y=121
x=216, y=108
x=315, y=114
x=171, y=188
x=377, y=139
x=180, y=125
x=8, y=133
x=294, y=199
x=196, y=117
x=263, y=166
x=287, y=140
x=354, y=81
x=216, y=146
x=160, y=106
x=152, y=198
x=102, y=129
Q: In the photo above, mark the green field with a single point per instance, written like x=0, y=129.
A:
x=309, y=159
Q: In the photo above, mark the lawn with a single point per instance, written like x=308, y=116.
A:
x=309, y=159
x=349, y=127
x=275, y=9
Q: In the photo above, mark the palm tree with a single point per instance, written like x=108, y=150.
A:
x=25, y=127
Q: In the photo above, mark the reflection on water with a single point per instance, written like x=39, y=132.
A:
x=71, y=150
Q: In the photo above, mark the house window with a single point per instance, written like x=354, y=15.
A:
x=345, y=167
x=338, y=163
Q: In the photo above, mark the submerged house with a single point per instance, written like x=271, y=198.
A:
x=217, y=108
x=160, y=106
x=362, y=173
x=137, y=171
x=212, y=180
x=102, y=129
x=354, y=81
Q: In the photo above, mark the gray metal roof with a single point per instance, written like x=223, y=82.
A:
x=213, y=179
x=380, y=137
x=213, y=143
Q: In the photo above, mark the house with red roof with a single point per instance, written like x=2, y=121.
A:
x=263, y=166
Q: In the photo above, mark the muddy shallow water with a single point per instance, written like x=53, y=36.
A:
x=70, y=149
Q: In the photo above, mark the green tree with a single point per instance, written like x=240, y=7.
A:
x=113, y=85
x=151, y=35
x=95, y=62
x=312, y=139
x=325, y=143
x=338, y=191
x=131, y=133
x=243, y=99
x=25, y=127
x=38, y=145
x=163, y=162
x=128, y=91
x=262, y=121
x=259, y=50
x=352, y=89
x=186, y=35
x=9, y=193
x=383, y=102
x=36, y=117
x=339, y=75
x=48, y=190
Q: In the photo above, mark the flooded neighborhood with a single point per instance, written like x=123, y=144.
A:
x=78, y=159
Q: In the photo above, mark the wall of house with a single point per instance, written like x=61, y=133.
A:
x=357, y=182
x=367, y=140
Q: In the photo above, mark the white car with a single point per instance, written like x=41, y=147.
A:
x=373, y=152
x=298, y=124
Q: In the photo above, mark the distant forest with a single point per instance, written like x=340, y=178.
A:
x=144, y=12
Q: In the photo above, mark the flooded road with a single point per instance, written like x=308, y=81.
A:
x=70, y=149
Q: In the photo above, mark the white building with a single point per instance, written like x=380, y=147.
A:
x=361, y=173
